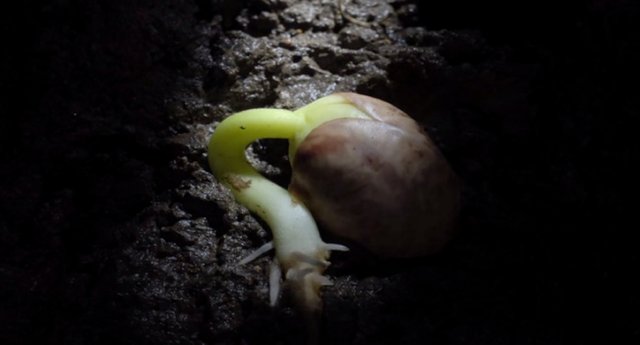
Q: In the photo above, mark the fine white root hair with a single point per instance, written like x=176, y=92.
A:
x=274, y=281
x=296, y=275
x=257, y=253
x=336, y=247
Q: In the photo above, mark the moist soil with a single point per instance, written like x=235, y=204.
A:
x=114, y=231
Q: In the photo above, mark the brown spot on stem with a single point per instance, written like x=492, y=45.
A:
x=237, y=182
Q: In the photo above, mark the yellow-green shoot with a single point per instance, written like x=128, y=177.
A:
x=300, y=253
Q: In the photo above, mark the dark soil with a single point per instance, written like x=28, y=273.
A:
x=113, y=230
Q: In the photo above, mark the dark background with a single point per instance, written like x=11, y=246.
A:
x=95, y=93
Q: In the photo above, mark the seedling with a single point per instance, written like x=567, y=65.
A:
x=300, y=252
x=361, y=166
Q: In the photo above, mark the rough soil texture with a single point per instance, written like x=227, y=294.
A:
x=113, y=230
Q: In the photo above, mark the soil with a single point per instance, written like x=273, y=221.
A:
x=114, y=231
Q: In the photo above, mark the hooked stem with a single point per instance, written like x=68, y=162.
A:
x=300, y=251
x=290, y=221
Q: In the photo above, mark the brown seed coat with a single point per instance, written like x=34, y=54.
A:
x=381, y=182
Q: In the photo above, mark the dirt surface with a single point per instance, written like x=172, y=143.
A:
x=113, y=230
